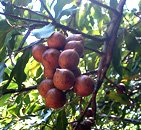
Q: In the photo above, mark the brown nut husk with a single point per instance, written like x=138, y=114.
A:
x=75, y=37
x=69, y=59
x=45, y=86
x=84, y=86
x=50, y=58
x=57, y=40
x=77, y=45
x=37, y=51
x=49, y=73
x=63, y=79
x=55, y=98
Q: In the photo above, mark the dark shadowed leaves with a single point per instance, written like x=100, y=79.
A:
x=61, y=120
x=2, y=67
x=131, y=42
x=18, y=70
x=116, y=59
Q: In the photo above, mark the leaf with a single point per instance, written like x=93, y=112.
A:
x=61, y=120
x=2, y=54
x=98, y=13
x=93, y=44
x=2, y=68
x=121, y=98
x=9, y=10
x=4, y=29
x=59, y=6
x=44, y=32
x=27, y=100
x=22, y=2
x=116, y=59
x=3, y=99
x=131, y=42
x=18, y=70
x=67, y=12
x=113, y=4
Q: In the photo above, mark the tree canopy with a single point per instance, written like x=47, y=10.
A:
x=112, y=58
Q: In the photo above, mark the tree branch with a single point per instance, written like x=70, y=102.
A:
x=10, y=91
x=24, y=19
x=24, y=8
x=105, y=6
x=50, y=15
x=96, y=38
x=108, y=48
x=92, y=49
x=112, y=117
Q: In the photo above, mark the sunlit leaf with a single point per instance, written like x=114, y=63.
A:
x=44, y=32
x=59, y=6
x=4, y=99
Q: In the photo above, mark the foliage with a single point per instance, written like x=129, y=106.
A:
x=21, y=107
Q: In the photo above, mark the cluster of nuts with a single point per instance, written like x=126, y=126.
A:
x=60, y=59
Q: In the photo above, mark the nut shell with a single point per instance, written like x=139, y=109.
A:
x=45, y=86
x=37, y=51
x=63, y=79
x=77, y=45
x=50, y=58
x=55, y=98
x=75, y=37
x=84, y=86
x=69, y=59
x=56, y=40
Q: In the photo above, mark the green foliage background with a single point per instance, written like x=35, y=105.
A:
x=18, y=69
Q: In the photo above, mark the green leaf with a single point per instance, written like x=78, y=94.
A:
x=18, y=70
x=2, y=54
x=131, y=43
x=116, y=59
x=61, y=120
x=3, y=99
x=27, y=100
x=44, y=32
x=9, y=9
x=2, y=68
x=98, y=13
x=22, y=2
x=121, y=98
x=113, y=3
x=59, y=6
x=68, y=12
x=93, y=44
x=4, y=29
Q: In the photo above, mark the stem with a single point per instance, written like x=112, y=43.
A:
x=8, y=91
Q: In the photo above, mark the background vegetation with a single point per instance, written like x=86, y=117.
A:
x=112, y=55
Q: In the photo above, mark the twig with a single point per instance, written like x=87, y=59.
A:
x=126, y=56
x=90, y=72
x=29, y=46
x=105, y=6
x=24, y=8
x=24, y=19
x=83, y=115
x=96, y=38
x=92, y=49
x=50, y=15
x=24, y=39
x=112, y=117
x=10, y=91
